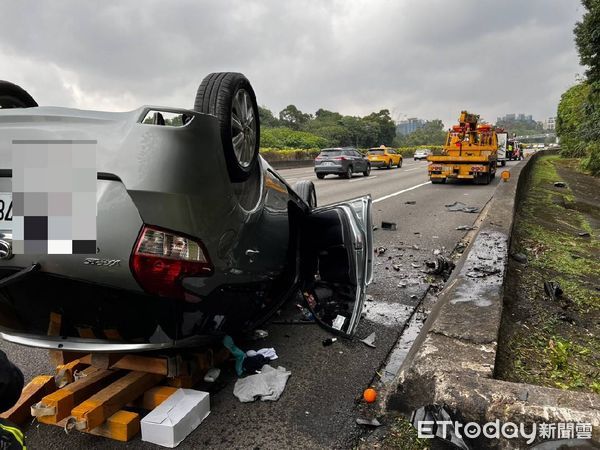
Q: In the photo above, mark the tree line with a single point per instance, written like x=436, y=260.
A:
x=293, y=128
x=578, y=116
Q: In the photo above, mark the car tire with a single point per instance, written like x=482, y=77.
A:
x=400, y=164
x=367, y=172
x=389, y=165
x=230, y=97
x=503, y=163
x=13, y=96
x=415, y=159
x=320, y=176
x=349, y=173
x=306, y=191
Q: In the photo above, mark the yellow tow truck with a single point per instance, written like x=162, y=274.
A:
x=470, y=153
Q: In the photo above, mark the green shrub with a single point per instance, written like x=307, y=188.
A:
x=286, y=138
x=284, y=154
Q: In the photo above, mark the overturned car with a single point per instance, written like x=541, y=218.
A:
x=196, y=235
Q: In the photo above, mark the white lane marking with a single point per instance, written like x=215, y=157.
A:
x=385, y=197
x=416, y=168
x=363, y=178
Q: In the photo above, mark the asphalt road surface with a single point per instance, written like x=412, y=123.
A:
x=322, y=398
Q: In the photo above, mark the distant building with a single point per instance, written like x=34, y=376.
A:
x=516, y=118
x=550, y=123
x=409, y=125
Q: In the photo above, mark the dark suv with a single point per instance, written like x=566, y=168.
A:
x=341, y=161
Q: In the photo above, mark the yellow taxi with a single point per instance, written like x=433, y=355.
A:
x=384, y=157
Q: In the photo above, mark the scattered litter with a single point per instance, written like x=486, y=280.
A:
x=253, y=364
x=560, y=184
x=435, y=237
x=402, y=285
x=520, y=258
x=260, y=334
x=417, y=232
x=442, y=424
x=415, y=265
x=437, y=251
x=237, y=353
x=212, y=374
x=370, y=395
x=269, y=353
x=369, y=340
x=380, y=250
x=553, y=290
x=327, y=342
x=388, y=226
x=410, y=202
x=338, y=322
x=584, y=234
x=375, y=228
x=368, y=422
x=266, y=385
x=306, y=314
x=415, y=246
x=396, y=267
x=413, y=296
x=465, y=227
x=369, y=298
x=459, y=206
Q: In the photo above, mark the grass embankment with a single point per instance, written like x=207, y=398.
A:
x=554, y=342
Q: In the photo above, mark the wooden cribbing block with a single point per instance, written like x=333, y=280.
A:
x=65, y=372
x=202, y=362
x=121, y=426
x=58, y=357
x=32, y=393
x=65, y=399
x=99, y=407
x=154, y=397
x=139, y=363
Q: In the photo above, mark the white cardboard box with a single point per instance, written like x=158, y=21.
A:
x=170, y=422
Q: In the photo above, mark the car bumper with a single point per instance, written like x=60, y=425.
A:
x=378, y=163
x=330, y=169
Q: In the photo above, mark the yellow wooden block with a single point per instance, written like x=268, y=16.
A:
x=121, y=426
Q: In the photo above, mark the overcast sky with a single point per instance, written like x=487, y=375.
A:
x=423, y=58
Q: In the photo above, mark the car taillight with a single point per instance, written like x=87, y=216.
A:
x=161, y=259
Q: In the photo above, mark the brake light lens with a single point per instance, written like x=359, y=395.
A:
x=161, y=259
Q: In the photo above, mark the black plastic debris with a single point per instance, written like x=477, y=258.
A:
x=482, y=272
x=442, y=425
x=553, y=290
x=520, y=258
x=410, y=202
x=459, y=206
x=368, y=422
x=388, y=226
x=396, y=267
x=465, y=228
x=560, y=184
x=584, y=234
x=327, y=342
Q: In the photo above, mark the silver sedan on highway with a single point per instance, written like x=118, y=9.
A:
x=197, y=236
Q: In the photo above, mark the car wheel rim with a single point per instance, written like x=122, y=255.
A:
x=243, y=127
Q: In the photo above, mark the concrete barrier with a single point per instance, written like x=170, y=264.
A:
x=292, y=163
x=452, y=360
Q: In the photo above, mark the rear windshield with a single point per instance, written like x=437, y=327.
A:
x=376, y=152
x=331, y=153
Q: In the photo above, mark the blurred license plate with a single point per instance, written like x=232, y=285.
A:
x=6, y=211
x=327, y=163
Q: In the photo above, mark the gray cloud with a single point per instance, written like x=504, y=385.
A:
x=417, y=58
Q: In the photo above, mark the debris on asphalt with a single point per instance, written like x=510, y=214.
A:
x=396, y=267
x=410, y=202
x=560, y=184
x=465, y=227
x=327, y=342
x=413, y=296
x=441, y=266
x=584, y=234
x=417, y=232
x=415, y=265
x=380, y=250
x=237, y=353
x=338, y=322
x=415, y=247
x=306, y=314
x=260, y=334
x=370, y=395
x=369, y=340
x=520, y=258
x=268, y=384
x=388, y=226
x=375, y=228
x=369, y=298
x=368, y=422
x=269, y=353
x=459, y=206
x=253, y=364
x=553, y=290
